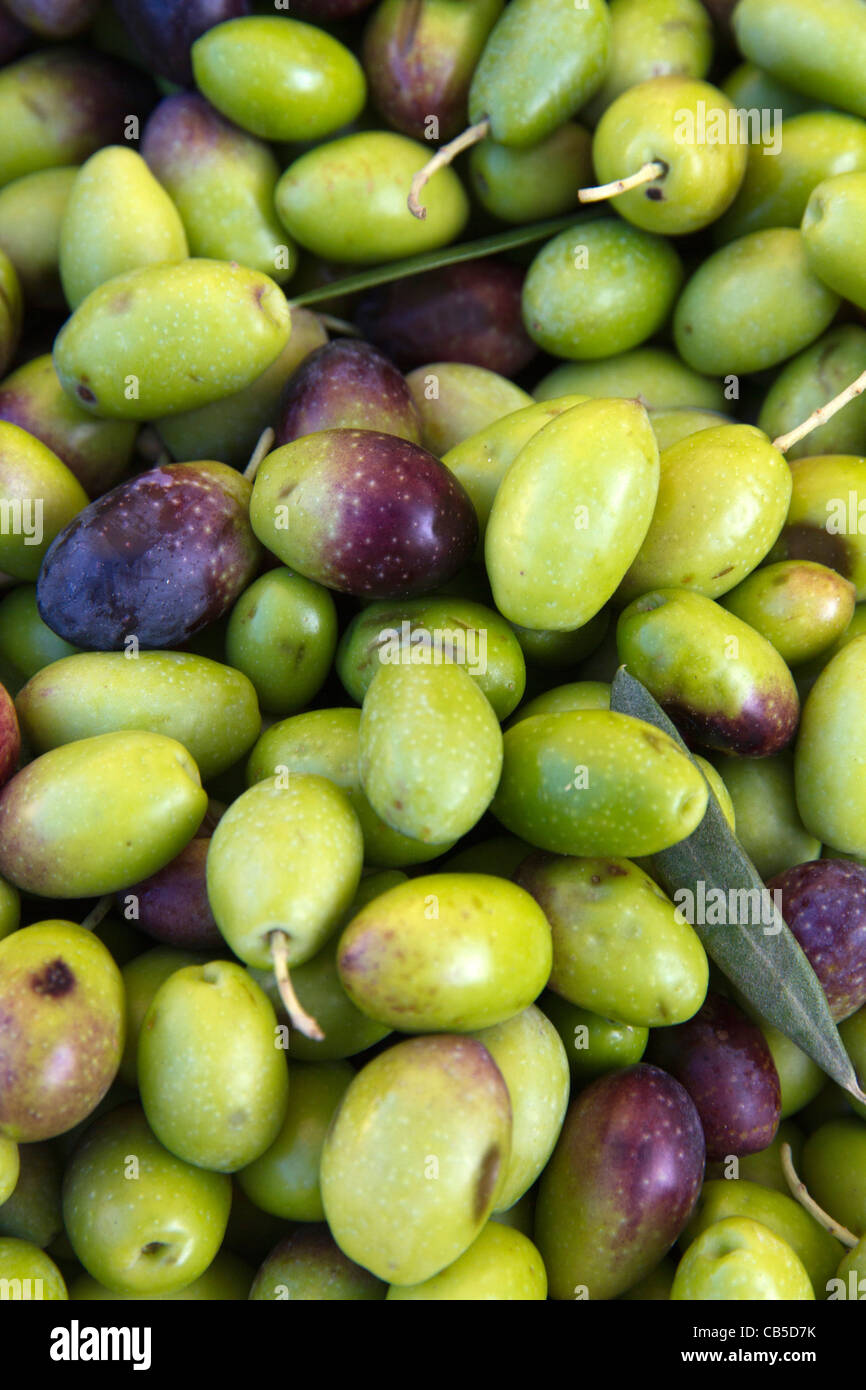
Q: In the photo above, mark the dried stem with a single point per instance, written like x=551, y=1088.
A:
x=96, y=914
x=263, y=447
x=646, y=174
x=149, y=446
x=300, y=1019
x=446, y=154
x=821, y=415
x=800, y=1192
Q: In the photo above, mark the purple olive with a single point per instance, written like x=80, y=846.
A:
x=54, y=19
x=364, y=513
x=459, y=313
x=14, y=38
x=173, y=904
x=157, y=558
x=824, y=904
x=721, y=11
x=347, y=385
x=419, y=57
x=621, y=1183
x=165, y=30
x=723, y=1060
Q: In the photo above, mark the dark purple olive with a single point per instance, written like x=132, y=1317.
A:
x=419, y=57
x=157, y=558
x=365, y=513
x=165, y=30
x=723, y=1060
x=173, y=904
x=459, y=313
x=621, y=1183
x=721, y=11
x=14, y=38
x=54, y=19
x=347, y=385
x=824, y=904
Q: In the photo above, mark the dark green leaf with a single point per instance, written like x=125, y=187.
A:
x=766, y=965
x=446, y=255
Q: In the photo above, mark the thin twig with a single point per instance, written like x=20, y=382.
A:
x=262, y=449
x=96, y=914
x=446, y=154
x=300, y=1019
x=821, y=415
x=149, y=446
x=646, y=174
x=801, y=1193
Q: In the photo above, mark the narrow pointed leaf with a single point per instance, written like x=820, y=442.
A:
x=446, y=255
x=763, y=960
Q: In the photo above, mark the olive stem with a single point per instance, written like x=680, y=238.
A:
x=263, y=447
x=800, y=1192
x=646, y=174
x=300, y=1019
x=822, y=414
x=96, y=914
x=446, y=154
x=150, y=447
x=348, y=330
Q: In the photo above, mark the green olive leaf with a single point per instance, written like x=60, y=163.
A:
x=763, y=959
x=446, y=255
